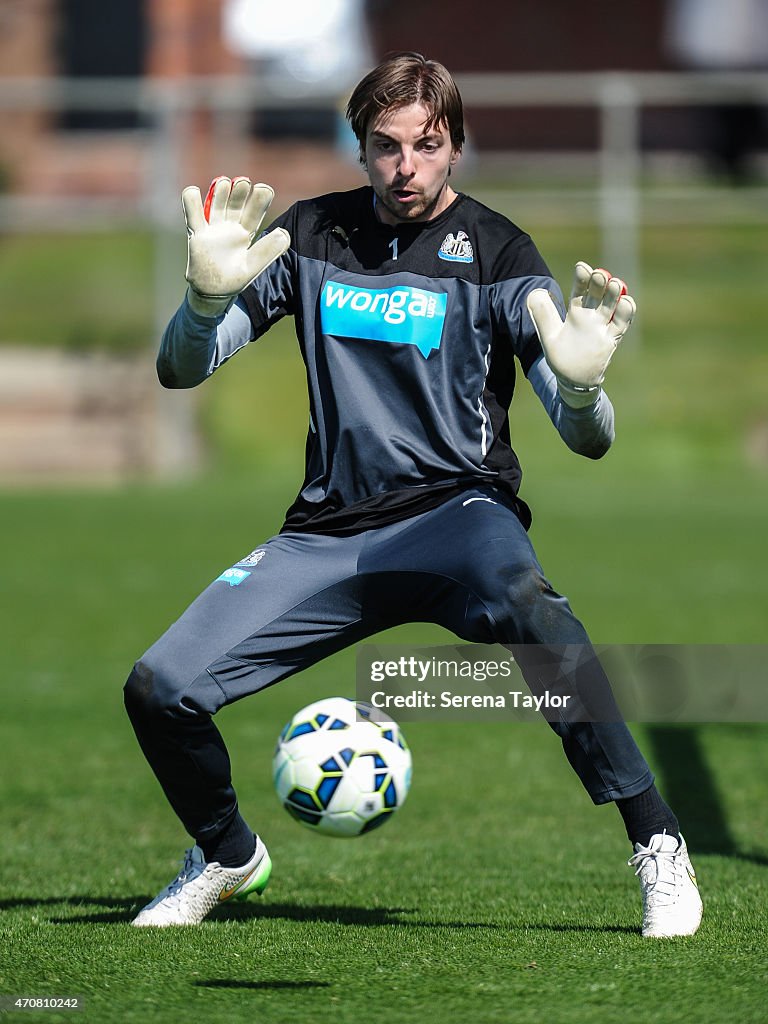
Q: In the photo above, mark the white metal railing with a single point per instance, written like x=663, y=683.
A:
x=618, y=97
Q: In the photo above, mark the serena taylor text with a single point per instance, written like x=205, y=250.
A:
x=446, y=699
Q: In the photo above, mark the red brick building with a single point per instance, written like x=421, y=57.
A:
x=77, y=152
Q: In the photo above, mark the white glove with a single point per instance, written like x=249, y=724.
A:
x=579, y=349
x=222, y=255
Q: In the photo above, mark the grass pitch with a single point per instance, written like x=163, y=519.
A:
x=498, y=893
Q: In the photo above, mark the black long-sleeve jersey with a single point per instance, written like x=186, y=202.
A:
x=409, y=335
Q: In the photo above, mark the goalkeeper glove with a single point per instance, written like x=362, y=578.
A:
x=580, y=348
x=222, y=254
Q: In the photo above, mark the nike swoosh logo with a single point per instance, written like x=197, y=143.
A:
x=470, y=500
x=692, y=876
x=227, y=893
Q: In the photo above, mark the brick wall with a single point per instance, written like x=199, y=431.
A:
x=26, y=33
x=184, y=38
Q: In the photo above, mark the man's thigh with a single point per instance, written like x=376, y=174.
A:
x=269, y=615
x=470, y=566
x=470, y=538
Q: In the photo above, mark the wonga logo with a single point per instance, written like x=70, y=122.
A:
x=405, y=315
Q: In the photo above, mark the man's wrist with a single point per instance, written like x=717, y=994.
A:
x=208, y=305
x=577, y=397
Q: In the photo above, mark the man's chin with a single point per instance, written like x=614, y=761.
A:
x=415, y=210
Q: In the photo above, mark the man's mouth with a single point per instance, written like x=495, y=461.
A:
x=404, y=195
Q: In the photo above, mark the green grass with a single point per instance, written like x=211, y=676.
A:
x=82, y=292
x=497, y=893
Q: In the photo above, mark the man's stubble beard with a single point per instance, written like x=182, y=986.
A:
x=411, y=214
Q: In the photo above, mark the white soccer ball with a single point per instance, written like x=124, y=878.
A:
x=341, y=767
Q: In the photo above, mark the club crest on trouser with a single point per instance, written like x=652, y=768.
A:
x=254, y=558
x=456, y=248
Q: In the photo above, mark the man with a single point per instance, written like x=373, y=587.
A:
x=410, y=303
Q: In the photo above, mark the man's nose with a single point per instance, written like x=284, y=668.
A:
x=407, y=166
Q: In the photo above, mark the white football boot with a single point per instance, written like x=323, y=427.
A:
x=199, y=887
x=671, y=901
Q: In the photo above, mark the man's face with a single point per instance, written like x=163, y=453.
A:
x=408, y=168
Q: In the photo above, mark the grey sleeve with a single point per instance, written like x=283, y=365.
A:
x=588, y=431
x=510, y=316
x=193, y=346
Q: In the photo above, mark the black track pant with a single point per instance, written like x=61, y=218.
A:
x=467, y=565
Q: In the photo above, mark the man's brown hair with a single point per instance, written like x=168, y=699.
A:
x=400, y=80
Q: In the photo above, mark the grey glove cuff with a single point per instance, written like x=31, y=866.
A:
x=576, y=397
x=208, y=305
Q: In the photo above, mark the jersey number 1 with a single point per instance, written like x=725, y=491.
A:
x=393, y=247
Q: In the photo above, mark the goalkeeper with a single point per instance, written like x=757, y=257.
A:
x=413, y=304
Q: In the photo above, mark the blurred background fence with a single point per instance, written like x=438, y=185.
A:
x=171, y=141
x=92, y=163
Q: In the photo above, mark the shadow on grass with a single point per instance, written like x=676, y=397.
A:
x=263, y=985
x=332, y=914
x=123, y=911
x=689, y=787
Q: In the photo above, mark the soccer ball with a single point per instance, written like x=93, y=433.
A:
x=341, y=768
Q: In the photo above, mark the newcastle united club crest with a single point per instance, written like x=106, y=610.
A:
x=456, y=248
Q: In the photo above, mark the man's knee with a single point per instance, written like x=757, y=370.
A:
x=140, y=695
x=150, y=693
x=519, y=592
x=522, y=607
x=526, y=587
